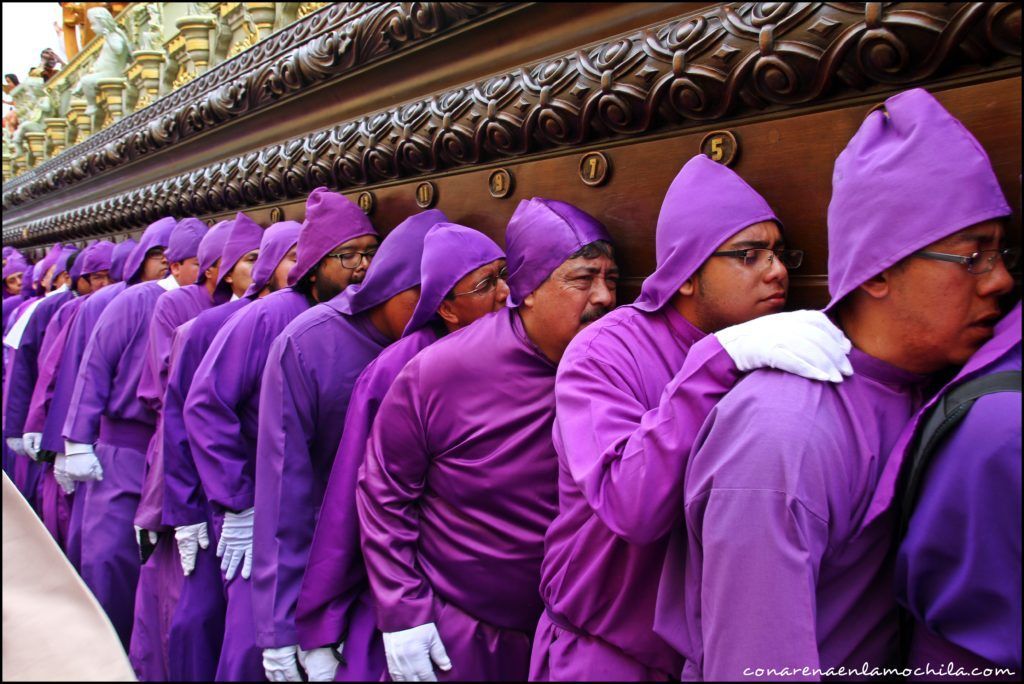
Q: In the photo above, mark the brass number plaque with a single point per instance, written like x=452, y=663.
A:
x=426, y=194
x=500, y=183
x=367, y=202
x=721, y=147
x=595, y=168
x=276, y=214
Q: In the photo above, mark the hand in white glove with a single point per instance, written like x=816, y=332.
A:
x=32, y=442
x=321, y=664
x=281, y=664
x=804, y=343
x=190, y=539
x=410, y=651
x=16, y=445
x=78, y=463
x=235, y=545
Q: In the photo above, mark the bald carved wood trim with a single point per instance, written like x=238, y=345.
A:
x=728, y=61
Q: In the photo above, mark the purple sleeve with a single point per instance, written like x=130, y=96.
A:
x=628, y=461
x=335, y=575
x=49, y=357
x=94, y=384
x=756, y=546
x=958, y=569
x=228, y=374
x=66, y=373
x=158, y=353
x=184, y=502
x=23, y=374
x=389, y=488
x=286, y=496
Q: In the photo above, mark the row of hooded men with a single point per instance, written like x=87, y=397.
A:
x=346, y=457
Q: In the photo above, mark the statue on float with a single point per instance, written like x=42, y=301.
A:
x=113, y=58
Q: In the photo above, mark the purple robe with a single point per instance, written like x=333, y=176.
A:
x=307, y=386
x=458, y=488
x=776, y=566
x=221, y=417
x=631, y=398
x=958, y=568
x=106, y=411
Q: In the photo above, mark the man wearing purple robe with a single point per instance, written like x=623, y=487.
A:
x=632, y=391
x=958, y=566
x=222, y=407
x=25, y=341
x=780, y=562
x=105, y=411
x=197, y=627
x=459, y=482
x=461, y=280
x=106, y=285
x=56, y=505
x=192, y=254
x=311, y=369
x=16, y=273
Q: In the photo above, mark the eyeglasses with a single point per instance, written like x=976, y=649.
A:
x=487, y=284
x=352, y=260
x=979, y=262
x=762, y=258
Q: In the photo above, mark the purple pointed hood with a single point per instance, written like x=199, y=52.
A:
x=705, y=205
x=156, y=235
x=79, y=263
x=244, y=236
x=331, y=219
x=16, y=265
x=122, y=250
x=541, y=234
x=211, y=246
x=62, y=260
x=911, y=175
x=450, y=251
x=396, y=266
x=185, y=240
x=47, y=261
x=277, y=241
x=96, y=257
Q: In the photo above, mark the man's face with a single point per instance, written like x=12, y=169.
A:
x=477, y=294
x=186, y=272
x=332, y=276
x=280, y=278
x=945, y=313
x=63, y=279
x=99, y=280
x=240, y=277
x=726, y=290
x=82, y=286
x=154, y=267
x=13, y=283
x=48, y=57
x=396, y=312
x=575, y=295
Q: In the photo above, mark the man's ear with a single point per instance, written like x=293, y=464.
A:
x=175, y=268
x=447, y=313
x=688, y=287
x=877, y=287
x=529, y=301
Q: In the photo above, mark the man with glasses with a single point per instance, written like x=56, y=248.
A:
x=459, y=482
x=463, y=278
x=222, y=407
x=632, y=392
x=311, y=369
x=784, y=560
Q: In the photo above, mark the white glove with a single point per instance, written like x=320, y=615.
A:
x=190, y=539
x=16, y=445
x=281, y=664
x=153, y=536
x=32, y=442
x=321, y=664
x=410, y=651
x=235, y=545
x=804, y=343
x=77, y=464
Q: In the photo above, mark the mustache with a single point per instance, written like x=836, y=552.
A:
x=591, y=315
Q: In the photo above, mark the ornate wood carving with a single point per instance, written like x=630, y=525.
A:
x=727, y=61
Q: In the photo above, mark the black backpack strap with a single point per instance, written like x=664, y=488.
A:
x=935, y=426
